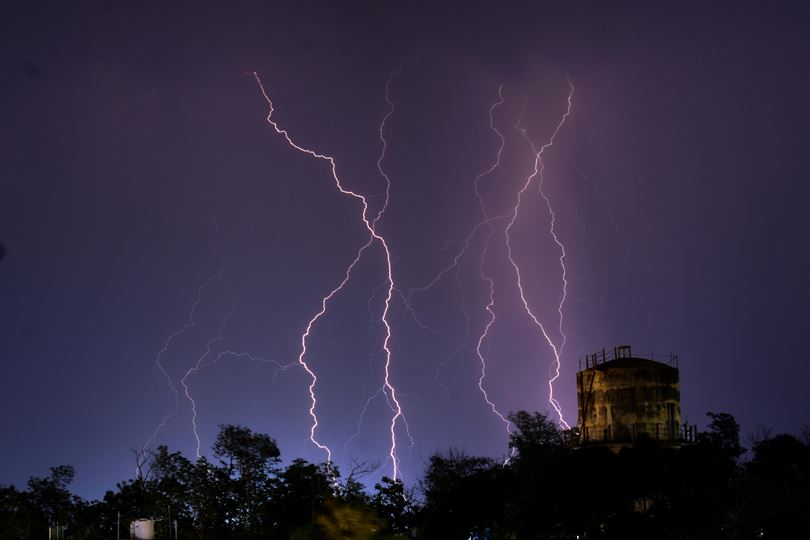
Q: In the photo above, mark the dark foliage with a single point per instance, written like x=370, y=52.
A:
x=546, y=490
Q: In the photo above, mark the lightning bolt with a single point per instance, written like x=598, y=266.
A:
x=486, y=222
x=484, y=276
x=390, y=394
x=360, y=420
x=537, y=172
x=196, y=368
x=174, y=335
x=374, y=236
x=215, y=359
x=208, y=359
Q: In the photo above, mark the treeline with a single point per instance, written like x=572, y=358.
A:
x=546, y=490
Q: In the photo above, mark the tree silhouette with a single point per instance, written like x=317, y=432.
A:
x=546, y=491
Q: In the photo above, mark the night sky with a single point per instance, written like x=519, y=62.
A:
x=139, y=178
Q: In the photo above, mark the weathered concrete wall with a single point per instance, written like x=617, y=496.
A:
x=623, y=398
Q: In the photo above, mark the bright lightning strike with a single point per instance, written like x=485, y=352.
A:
x=486, y=221
x=373, y=236
x=390, y=394
x=538, y=173
x=484, y=276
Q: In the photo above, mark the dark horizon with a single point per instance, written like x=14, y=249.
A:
x=140, y=175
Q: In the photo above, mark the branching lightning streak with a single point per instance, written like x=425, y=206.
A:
x=200, y=366
x=497, y=162
x=487, y=221
x=371, y=298
x=359, y=423
x=188, y=325
x=305, y=335
x=484, y=276
x=374, y=235
x=391, y=392
x=384, y=144
x=455, y=265
x=538, y=173
x=211, y=360
x=195, y=369
x=279, y=366
x=386, y=389
x=412, y=312
x=483, y=337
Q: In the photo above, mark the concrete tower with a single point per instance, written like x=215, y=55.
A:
x=620, y=397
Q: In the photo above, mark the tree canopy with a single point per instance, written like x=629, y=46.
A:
x=541, y=489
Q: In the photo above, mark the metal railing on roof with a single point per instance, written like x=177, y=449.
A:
x=623, y=351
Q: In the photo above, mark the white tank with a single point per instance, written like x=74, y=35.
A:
x=142, y=529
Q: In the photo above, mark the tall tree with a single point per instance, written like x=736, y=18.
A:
x=723, y=434
x=51, y=498
x=533, y=433
x=250, y=461
x=395, y=505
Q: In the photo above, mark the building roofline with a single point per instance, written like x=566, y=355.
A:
x=621, y=356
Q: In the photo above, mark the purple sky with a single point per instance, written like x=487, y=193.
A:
x=137, y=163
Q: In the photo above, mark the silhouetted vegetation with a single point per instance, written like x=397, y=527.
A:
x=705, y=490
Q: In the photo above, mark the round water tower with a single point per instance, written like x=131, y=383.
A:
x=621, y=397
